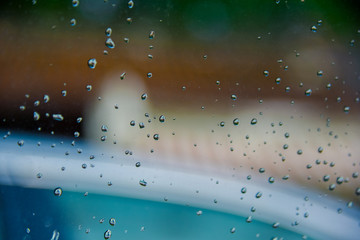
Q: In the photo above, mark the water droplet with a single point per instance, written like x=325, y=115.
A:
x=232, y=230
x=58, y=191
x=130, y=4
x=20, y=143
x=287, y=89
x=320, y=149
x=249, y=219
x=36, y=103
x=143, y=183
x=253, y=121
x=243, y=190
x=84, y=166
x=76, y=134
x=129, y=20
x=287, y=135
x=314, y=28
x=346, y=109
x=355, y=175
x=112, y=221
x=138, y=164
x=72, y=22
x=79, y=120
x=156, y=136
x=199, y=213
x=357, y=191
x=107, y=234
x=320, y=73
x=103, y=138
x=266, y=73
x=261, y=170
x=58, y=117
x=126, y=40
x=132, y=123
x=222, y=124
x=339, y=180
x=285, y=146
x=233, y=97
x=271, y=180
x=75, y=3
x=46, y=98
x=92, y=63
x=22, y=108
x=236, y=121
x=308, y=92
x=144, y=96
x=278, y=80
x=141, y=125
x=149, y=75
x=332, y=187
x=104, y=128
x=64, y=93
x=152, y=34
x=110, y=43
x=276, y=225
x=36, y=116
x=258, y=194
x=299, y=152
x=162, y=118
x=108, y=32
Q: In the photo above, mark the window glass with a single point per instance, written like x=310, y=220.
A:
x=179, y=119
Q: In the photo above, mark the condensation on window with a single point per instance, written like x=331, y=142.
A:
x=179, y=119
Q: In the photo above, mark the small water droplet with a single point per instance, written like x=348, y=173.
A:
x=236, y=121
x=313, y=28
x=112, y=221
x=46, y=98
x=156, y=136
x=58, y=191
x=141, y=125
x=108, y=32
x=308, y=92
x=278, y=80
x=222, y=124
x=346, y=109
x=75, y=3
x=104, y=128
x=287, y=89
x=271, y=180
x=299, y=152
x=79, y=120
x=129, y=20
x=110, y=43
x=357, y=191
x=261, y=170
x=64, y=93
x=233, y=97
x=92, y=63
x=320, y=73
x=243, y=190
x=149, y=75
x=143, y=183
x=144, y=96
x=339, y=180
x=258, y=194
x=232, y=230
x=58, y=117
x=130, y=4
x=20, y=143
x=107, y=234
x=249, y=219
x=152, y=34
x=332, y=187
x=72, y=22
x=36, y=116
x=138, y=164
x=22, y=108
x=266, y=73
x=162, y=118
x=253, y=121
x=276, y=225
x=76, y=134
x=285, y=146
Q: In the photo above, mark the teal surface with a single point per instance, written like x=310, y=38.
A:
x=76, y=216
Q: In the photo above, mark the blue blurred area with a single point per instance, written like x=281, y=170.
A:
x=73, y=213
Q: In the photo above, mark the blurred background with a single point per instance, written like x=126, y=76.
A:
x=293, y=66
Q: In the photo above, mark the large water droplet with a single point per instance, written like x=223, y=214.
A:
x=112, y=221
x=130, y=4
x=75, y=3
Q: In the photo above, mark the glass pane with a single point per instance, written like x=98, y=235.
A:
x=179, y=119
